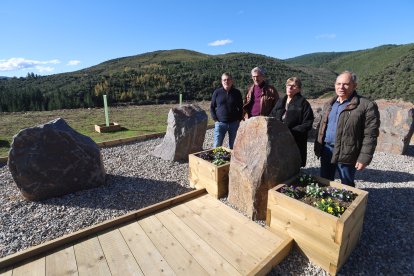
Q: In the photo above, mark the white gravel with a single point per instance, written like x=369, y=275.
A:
x=136, y=179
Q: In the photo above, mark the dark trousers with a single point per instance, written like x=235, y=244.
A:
x=346, y=171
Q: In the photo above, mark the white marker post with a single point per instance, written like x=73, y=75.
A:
x=106, y=111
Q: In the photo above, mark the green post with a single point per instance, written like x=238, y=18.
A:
x=106, y=111
x=181, y=99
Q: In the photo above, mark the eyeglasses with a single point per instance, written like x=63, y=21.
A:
x=291, y=86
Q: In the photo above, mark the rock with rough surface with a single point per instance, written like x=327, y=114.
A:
x=264, y=155
x=53, y=159
x=186, y=129
x=397, y=126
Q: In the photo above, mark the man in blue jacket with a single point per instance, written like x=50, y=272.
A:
x=226, y=109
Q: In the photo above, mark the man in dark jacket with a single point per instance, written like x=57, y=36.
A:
x=296, y=113
x=226, y=109
x=347, y=132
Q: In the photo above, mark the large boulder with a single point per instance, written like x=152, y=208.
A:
x=397, y=126
x=186, y=129
x=396, y=129
x=264, y=154
x=53, y=159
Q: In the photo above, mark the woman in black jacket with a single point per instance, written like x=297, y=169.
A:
x=296, y=113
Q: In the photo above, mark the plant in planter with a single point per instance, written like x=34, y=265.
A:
x=217, y=156
x=323, y=217
x=328, y=199
x=210, y=169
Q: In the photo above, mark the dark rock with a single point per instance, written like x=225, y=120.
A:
x=264, y=154
x=185, y=133
x=53, y=159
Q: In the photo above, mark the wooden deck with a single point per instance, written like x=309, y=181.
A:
x=197, y=235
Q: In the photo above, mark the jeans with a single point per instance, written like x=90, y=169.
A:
x=220, y=129
x=346, y=171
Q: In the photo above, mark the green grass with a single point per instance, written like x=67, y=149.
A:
x=137, y=120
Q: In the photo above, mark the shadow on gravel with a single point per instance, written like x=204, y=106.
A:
x=381, y=176
x=387, y=240
x=122, y=193
x=372, y=175
x=410, y=150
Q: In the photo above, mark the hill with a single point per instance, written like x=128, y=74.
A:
x=160, y=76
x=383, y=72
x=151, y=78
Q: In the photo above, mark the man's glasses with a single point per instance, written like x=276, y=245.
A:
x=291, y=86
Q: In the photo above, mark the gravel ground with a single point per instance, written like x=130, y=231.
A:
x=137, y=179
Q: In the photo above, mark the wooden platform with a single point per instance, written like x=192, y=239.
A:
x=194, y=234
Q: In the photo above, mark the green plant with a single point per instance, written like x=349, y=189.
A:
x=220, y=156
x=330, y=207
x=315, y=191
x=306, y=179
x=291, y=191
x=341, y=194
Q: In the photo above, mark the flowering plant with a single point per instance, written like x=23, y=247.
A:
x=330, y=207
x=328, y=199
x=218, y=156
x=341, y=194
x=291, y=191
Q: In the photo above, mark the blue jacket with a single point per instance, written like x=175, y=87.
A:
x=226, y=106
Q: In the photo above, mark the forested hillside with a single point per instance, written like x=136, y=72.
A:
x=384, y=72
x=157, y=77
x=160, y=76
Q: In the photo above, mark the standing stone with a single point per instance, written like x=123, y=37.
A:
x=397, y=126
x=53, y=159
x=264, y=154
x=185, y=133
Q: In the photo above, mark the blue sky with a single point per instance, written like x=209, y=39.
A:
x=54, y=36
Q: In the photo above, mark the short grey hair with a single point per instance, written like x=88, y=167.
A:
x=259, y=70
x=353, y=76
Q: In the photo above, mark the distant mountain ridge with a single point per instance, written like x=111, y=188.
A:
x=384, y=72
x=160, y=76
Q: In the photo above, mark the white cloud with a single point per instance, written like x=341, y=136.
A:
x=42, y=69
x=220, y=42
x=326, y=36
x=21, y=63
x=73, y=62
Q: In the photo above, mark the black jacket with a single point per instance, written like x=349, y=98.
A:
x=299, y=119
x=356, y=133
x=226, y=106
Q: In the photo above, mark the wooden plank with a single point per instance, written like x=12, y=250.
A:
x=56, y=243
x=284, y=220
x=241, y=219
x=277, y=255
x=328, y=249
x=147, y=255
x=90, y=258
x=120, y=259
x=6, y=272
x=205, y=255
x=236, y=227
x=32, y=267
x=177, y=257
x=321, y=221
x=230, y=250
x=121, y=141
x=351, y=217
x=62, y=262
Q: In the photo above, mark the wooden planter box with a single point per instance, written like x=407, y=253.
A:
x=325, y=239
x=204, y=174
x=112, y=127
